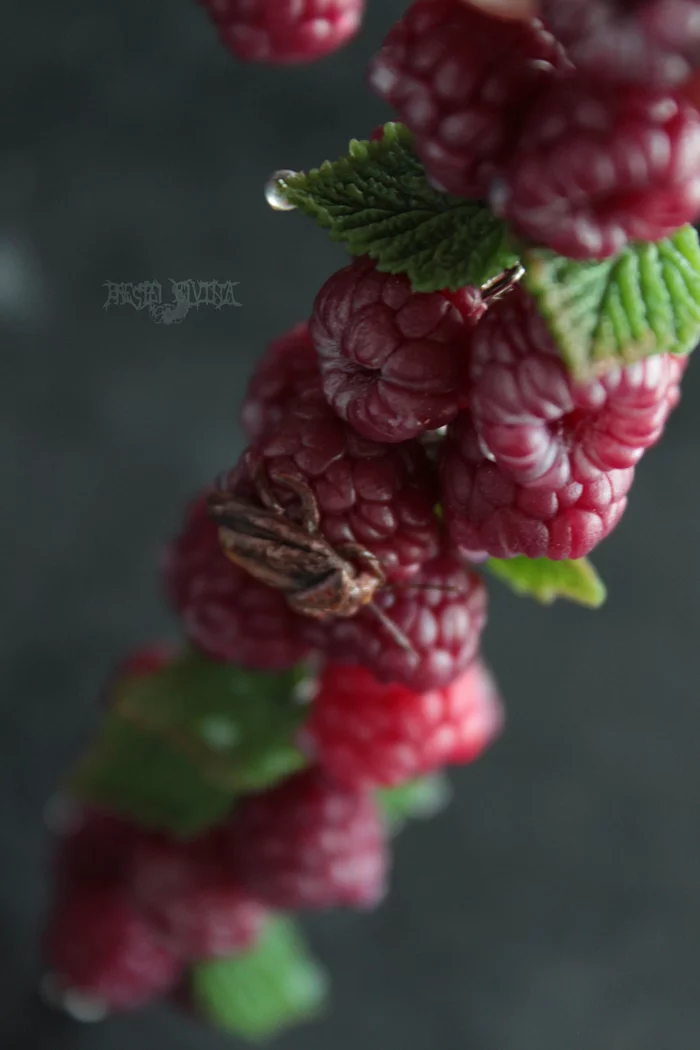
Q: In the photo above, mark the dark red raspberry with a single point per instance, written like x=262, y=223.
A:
x=488, y=512
x=285, y=31
x=390, y=357
x=646, y=42
x=93, y=850
x=310, y=843
x=379, y=496
x=289, y=367
x=593, y=169
x=98, y=945
x=540, y=425
x=460, y=81
x=441, y=612
x=187, y=891
x=225, y=611
x=370, y=735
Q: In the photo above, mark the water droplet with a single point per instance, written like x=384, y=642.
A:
x=486, y=451
x=274, y=192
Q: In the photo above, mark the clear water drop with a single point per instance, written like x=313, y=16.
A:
x=274, y=191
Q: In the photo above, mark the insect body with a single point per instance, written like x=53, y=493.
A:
x=317, y=579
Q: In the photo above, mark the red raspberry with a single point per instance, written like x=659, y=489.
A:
x=226, y=612
x=379, y=496
x=98, y=945
x=310, y=843
x=488, y=512
x=94, y=850
x=187, y=891
x=460, y=81
x=285, y=31
x=539, y=425
x=390, y=357
x=371, y=735
x=289, y=367
x=441, y=612
x=646, y=42
x=594, y=168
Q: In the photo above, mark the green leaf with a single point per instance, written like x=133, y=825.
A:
x=256, y=995
x=136, y=773
x=377, y=201
x=180, y=745
x=239, y=726
x=548, y=580
x=417, y=800
x=646, y=300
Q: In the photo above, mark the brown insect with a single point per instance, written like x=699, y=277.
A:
x=318, y=580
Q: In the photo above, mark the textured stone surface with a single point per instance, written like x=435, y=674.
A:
x=556, y=904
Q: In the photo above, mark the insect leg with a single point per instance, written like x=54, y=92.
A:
x=393, y=629
x=311, y=517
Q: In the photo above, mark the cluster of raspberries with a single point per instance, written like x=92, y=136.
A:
x=397, y=441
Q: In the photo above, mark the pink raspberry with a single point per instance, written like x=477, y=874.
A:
x=289, y=367
x=225, y=611
x=441, y=612
x=310, y=843
x=540, y=426
x=99, y=946
x=367, y=734
x=645, y=42
x=390, y=357
x=381, y=497
x=187, y=891
x=460, y=81
x=285, y=31
x=487, y=512
x=593, y=168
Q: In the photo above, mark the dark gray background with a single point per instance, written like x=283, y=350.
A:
x=556, y=904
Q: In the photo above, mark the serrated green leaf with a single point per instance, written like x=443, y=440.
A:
x=377, y=201
x=548, y=580
x=646, y=300
x=134, y=772
x=417, y=800
x=256, y=995
x=239, y=726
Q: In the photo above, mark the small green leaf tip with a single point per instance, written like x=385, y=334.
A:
x=547, y=580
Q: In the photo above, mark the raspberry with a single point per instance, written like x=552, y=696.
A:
x=310, y=843
x=285, y=31
x=289, y=367
x=593, y=169
x=94, y=850
x=487, y=512
x=646, y=42
x=442, y=613
x=98, y=945
x=186, y=890
x=226, y=612
x=460, y=81
x=371, y=735
x=379, y=496
x=390, y=357
x=539, y=425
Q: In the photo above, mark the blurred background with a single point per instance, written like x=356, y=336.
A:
x=556, y=904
